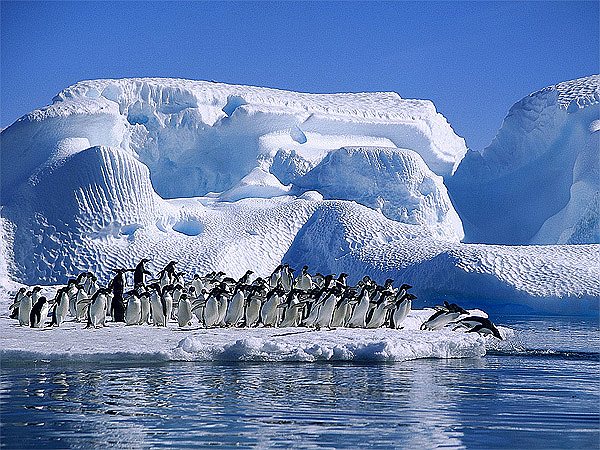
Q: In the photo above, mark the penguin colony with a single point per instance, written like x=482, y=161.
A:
x=215, y=300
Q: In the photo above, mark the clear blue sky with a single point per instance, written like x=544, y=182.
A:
x=474, y=60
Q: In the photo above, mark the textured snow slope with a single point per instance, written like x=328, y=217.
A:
x=538, y=180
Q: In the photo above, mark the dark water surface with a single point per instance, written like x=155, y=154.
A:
x=543, y=394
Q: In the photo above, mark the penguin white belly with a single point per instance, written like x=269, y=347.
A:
x=97, y=312
x=401, y=313
x=24, y=310
x=184, y=312
x=158, y=316
x=269, y=313
x=145, y=310
x=73, y=302
x=340, y=315
x=61, y=309
x=359, y=315
x=252, y=312
x=211, y=312
x=222, y=306
x=235, y=310
x=326, y=312
x=168, y=306
x=378, y=317
x=133, y=313
x=291, y=316
x=81, y=306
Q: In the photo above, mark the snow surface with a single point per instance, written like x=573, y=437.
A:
x=80, y=181
x=538, y=180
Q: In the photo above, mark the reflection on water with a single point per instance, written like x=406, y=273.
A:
x=500, y=401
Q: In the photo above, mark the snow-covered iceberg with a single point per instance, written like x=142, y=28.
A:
x=539, y=180
x=342, y=182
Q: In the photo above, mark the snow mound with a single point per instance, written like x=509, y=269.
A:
x=535, y=183
x=396, y=182
x=198, y=137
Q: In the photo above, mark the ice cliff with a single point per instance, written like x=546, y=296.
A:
x=539, y=180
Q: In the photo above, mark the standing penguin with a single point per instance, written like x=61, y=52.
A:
x=358, y=319
x=156, y=306
x=341, y=311
x=61, y=307
x=25, y=306
x=275, y=277
x=402, y=306
x=235, y=309
x=14, y=308
x=291, y=316
x=39, y=313
x=211, y=309
x=72, y=293
x=269, y=314
x=145, y=308
x=133, y=313
x=184, y=312
x=304, y=280
x=97, y=310
x=117, y=306
x=253, y=305
x=140, y=272
x=378, y=314
x=326, y=311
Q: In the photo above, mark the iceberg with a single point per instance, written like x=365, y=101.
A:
x=537, y=182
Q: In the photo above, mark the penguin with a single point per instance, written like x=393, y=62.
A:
x=61, y=307
x=235, y=309
x=325, y=315
x=291, y=316
x=140, y=272
x=167, y=275
x=72, y=293
x=318, y=280
x=117, y=305
x=198, y=303
x=253, y=307
x=177, y=291
x=275, y=277
x=342, y=280
x=167, y=302
x=378, y=315
x=481, y=325
x=223, y=303
x=443, y=316
x=14, y=308
x=133, y=312
x=211, y=309
x=96, y=313
x=269, y=313
x=358, y=319
x=318, y=297
x=25, y=306
x=82, y=303
x=198, y=285
x=156, y=306
x=304, y=280
x=245, y=278
x=145, y=308
x=402, y=306
x=341, y=311
x=184, y=312
x=39, y=313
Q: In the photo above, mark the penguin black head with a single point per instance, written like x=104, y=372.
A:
x=304, y=269
x=388, y=282
x=405, y=287
x=37, y=289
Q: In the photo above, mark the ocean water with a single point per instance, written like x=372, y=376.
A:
x=544, y=393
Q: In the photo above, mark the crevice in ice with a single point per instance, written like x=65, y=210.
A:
x=233, y=103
